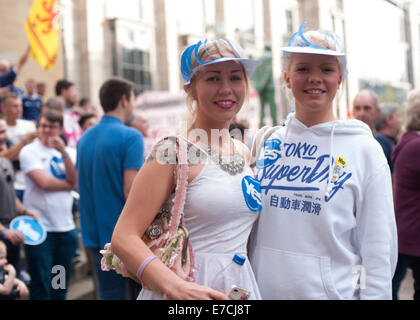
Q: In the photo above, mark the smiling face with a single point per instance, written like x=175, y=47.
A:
x=220, y=91
x=314, y=80
x=48, y=130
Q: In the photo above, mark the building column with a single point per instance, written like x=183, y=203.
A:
x=309, y=12
x=162, y=69
x=267, y=21
x=220, y=18
x=82, y=51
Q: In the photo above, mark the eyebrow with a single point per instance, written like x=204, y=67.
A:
x=322, y=64
x=216, y=71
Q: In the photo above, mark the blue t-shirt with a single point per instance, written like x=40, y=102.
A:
x=7, y=78
x=31, y=107
x=103, y=153
x=387, y=146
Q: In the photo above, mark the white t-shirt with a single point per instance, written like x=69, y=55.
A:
x=16, y=134
x=54, y=207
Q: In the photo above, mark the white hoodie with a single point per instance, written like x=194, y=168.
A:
x=320, y=240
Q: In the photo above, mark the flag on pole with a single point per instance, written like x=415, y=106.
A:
x=43, y=31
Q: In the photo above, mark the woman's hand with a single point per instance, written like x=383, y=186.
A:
x=193, y=291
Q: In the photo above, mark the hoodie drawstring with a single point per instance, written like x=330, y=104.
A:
x=329, y=185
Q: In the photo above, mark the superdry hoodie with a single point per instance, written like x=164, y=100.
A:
x=324, y=231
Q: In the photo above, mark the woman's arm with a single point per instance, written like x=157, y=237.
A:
x=151, y=187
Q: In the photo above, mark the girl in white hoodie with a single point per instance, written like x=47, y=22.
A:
x=327, y=227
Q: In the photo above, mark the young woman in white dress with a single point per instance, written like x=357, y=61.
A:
x=219, y=210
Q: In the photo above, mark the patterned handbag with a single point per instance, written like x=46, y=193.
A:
x=167, y=237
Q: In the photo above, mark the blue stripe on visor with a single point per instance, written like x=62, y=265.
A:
x=294, y=42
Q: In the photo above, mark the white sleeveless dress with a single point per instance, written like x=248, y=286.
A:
x=219, y=221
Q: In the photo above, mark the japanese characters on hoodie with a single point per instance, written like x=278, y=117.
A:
x=325, y=231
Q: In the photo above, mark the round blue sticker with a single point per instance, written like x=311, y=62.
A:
x=57, y=168
x=270, y=154
x=33, y=231
x=251, y=189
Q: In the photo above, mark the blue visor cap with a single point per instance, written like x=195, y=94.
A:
x=299, y=44
x=188, y=70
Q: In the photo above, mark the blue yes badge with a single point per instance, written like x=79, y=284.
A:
x=33, y=231
x=57, y=168
x=251, y=189
x=270, y=154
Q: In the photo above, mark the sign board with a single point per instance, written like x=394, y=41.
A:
x=33, y=231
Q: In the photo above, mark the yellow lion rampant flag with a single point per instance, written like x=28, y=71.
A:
x=43, y=32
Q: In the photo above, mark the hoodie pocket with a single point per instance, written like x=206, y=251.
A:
x=291, y=275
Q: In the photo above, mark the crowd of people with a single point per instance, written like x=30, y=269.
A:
x=319, y=208
x=38, y=140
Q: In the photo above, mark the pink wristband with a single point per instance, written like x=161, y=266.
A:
x=144, y=264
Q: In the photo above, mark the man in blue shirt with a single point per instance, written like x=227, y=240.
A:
x=31, y=102
x=8, y=74
x=108, y=158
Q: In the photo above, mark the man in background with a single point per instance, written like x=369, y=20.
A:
x=109, y=155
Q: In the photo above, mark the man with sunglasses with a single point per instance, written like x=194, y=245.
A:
x=50, y=176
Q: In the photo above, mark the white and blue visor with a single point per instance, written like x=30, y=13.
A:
x=300, y=44
x=188, y=70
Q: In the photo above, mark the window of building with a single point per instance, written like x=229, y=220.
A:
x=135, y=66
x=289, y=22
x=244, y=27
x=339, y=4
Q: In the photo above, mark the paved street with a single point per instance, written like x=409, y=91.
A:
x=406, y=290
x=83, y=289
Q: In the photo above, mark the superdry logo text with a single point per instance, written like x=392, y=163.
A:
x=308, y=171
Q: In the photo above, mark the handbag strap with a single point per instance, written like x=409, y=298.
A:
x=181, y=178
